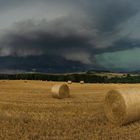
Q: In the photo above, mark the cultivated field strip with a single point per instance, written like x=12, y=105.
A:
x=28, y=112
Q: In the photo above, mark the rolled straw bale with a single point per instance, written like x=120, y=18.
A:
x=82, y=82
x=122, y=106
x=69, y=82
x=60, y=91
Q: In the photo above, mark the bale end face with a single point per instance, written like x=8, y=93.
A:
x=60, y=91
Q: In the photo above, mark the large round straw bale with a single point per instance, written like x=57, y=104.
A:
x=69, y=82
x=122, y=106
x=82, y=82
x=60, y=91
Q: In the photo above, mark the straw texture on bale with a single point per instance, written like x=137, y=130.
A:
x=69, y=82
x=60, y=91
x=82, y=82
x=122, y=106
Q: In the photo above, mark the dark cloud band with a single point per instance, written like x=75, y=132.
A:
x=94, y=27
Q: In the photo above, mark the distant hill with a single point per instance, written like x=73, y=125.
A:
x=96, y=77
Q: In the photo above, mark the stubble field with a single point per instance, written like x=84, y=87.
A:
x=28, y=112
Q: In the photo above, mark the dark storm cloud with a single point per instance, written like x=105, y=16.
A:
x=9, y=4
x=39, y=63
x=109, y=14
x=82, y=30
x=41, y=38
x=109, y=18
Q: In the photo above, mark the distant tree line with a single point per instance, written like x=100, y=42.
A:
x=88, y=78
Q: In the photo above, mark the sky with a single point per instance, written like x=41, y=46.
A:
x=69, y=35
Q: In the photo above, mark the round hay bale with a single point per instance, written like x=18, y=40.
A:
x=60, y=91
x=69, y=82
x=122, y=106
x=82, y=82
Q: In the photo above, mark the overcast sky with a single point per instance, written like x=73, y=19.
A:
x=69, y=35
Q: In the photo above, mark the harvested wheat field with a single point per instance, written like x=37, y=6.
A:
x=28, y=112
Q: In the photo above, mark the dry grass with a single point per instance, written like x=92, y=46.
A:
x=28, y=112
